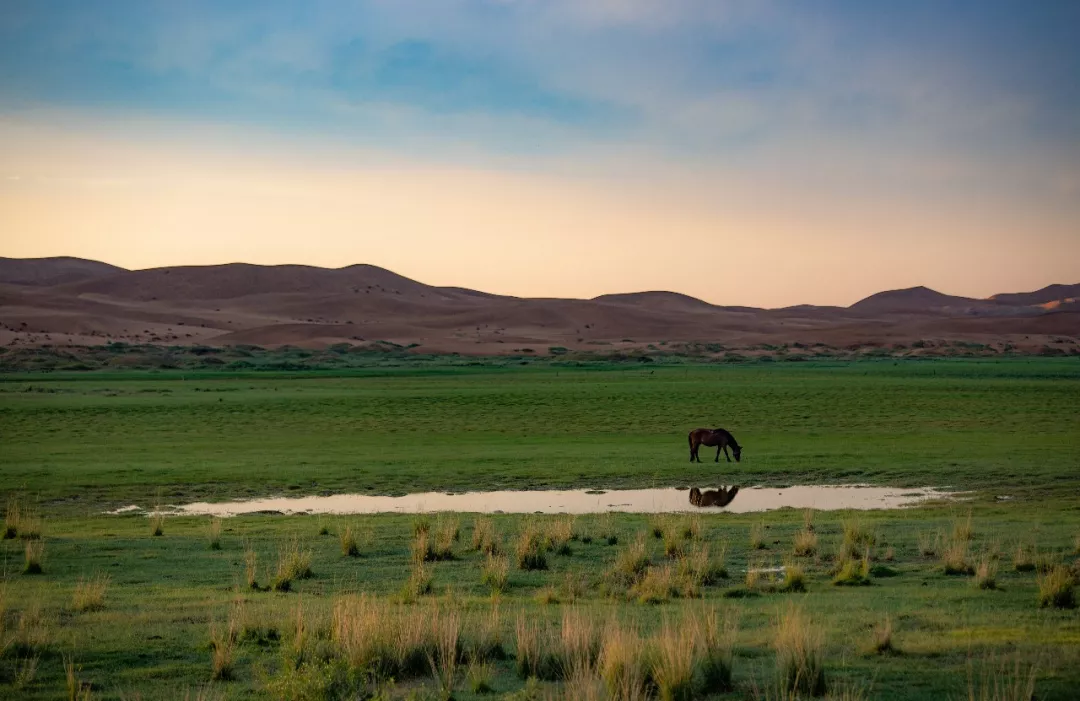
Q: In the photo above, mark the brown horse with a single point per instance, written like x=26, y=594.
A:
x=713, y=497
x=714, y=437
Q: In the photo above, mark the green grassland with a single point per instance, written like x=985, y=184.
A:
x=72, y=445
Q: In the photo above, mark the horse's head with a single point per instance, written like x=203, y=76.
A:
x=736, y=450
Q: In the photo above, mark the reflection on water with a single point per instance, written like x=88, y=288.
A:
x=713, y=497
x=582, y=501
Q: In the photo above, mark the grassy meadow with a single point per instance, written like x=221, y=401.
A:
x=964, y=599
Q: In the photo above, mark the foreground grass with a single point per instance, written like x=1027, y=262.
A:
x=117, y=438
x=177, y=614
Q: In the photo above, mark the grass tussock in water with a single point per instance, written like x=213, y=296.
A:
x=800, y=653
x=1057, y=588
x=90, y=593
x=34, y=557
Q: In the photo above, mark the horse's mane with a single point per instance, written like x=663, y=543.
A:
x=731, y=439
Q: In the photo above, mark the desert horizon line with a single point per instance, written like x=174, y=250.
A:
x=534, y=297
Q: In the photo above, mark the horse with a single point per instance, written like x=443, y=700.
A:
x=710, y=497
x=714, y=437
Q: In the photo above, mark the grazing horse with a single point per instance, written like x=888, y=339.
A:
x=714, y=437
x=713, y=497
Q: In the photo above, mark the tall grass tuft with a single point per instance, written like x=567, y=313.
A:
x=447, y=532
x=1024, y=558
x=495, y=573
x=213, y=534
x=31, y=525
x=35, y=554
x=419, y=582
x=559, y=534
x=484, y=537
x=536, y=650
x=251, y=561
x=794, y=578
x=421, y=524
x=223, y=650
x=293, y=563
x=757, y=535
x=716, y=645
x=674, y=662
x=805, y=544
x=858, y=537
x=673, y=543
x=657, y=586
x=963, y=529
x=630, y=563
x=623, y=664
x=986, y=573
x=954, y=558
x=1056, y=588
x=929, y=544
x=381, y=641
x=351, y=540
x=443, y=658
x=579, y=645
x=12, y=518
x=800, y=651
x=529, y=549
x=479, y=676
x=881, y=641
x=1002, y=682
x=487, y=643
x=851, y=571
x=90, y=594
x=77, y=690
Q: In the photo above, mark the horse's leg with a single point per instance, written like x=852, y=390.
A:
x=725, y=454
x=717, y=454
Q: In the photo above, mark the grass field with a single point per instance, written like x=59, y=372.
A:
x=73, y=445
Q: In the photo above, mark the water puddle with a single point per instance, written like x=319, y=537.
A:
x=730, y=499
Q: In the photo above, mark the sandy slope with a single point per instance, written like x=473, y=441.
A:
x=70, y=300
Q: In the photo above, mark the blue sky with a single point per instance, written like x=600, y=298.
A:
x=940, y=103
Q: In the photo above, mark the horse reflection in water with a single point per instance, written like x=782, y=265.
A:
x=713, y=497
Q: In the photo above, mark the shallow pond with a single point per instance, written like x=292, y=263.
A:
x=580, y=501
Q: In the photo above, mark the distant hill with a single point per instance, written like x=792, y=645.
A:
x=1048, y=294
x=55, y=301
x=52, y=271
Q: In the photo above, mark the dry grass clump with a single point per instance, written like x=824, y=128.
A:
x=293, y=563
x=630, y=563
x=479, y=676
x=800, y=653
x=757, y=535
x=1076, y=545
x=251, y=561
x=657, y=586
x=419, y=582
x=963, y=529
x=986, y=573
x=558, y=535
x=929, y=544
x=890, y=554
x=605, y=529
x=536, y=650
x=716, y=645
x=223, y=649
x=954, y=559
x=529, y=549
x=35, y=554
x=858, y=537
x=31, y=525
x=25, y=672
x=157, y=524
x=447, y=532
x=1002, y=682
x=881, y=637
x=794, y=578
x=1056, y=588
x=1024, y=558
x=12, y=518
x=385, y=641
x=421, y=525
x=674, y=662
x=495, y=572
x=851, y=571
x=547, y=596
x=77, y=690
x=484, y=537
x=623, y=664
x=32, y=633
x=805, y=544
x=673, y=543
x=213, y=534
x=697, y=568
x=347, y=538
x=487, y=641
x=443, y=657
x=90, y=593
x=579, y=645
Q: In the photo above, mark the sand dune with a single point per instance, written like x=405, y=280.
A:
x=69, y=300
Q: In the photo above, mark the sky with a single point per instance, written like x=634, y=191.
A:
x=759, y=153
